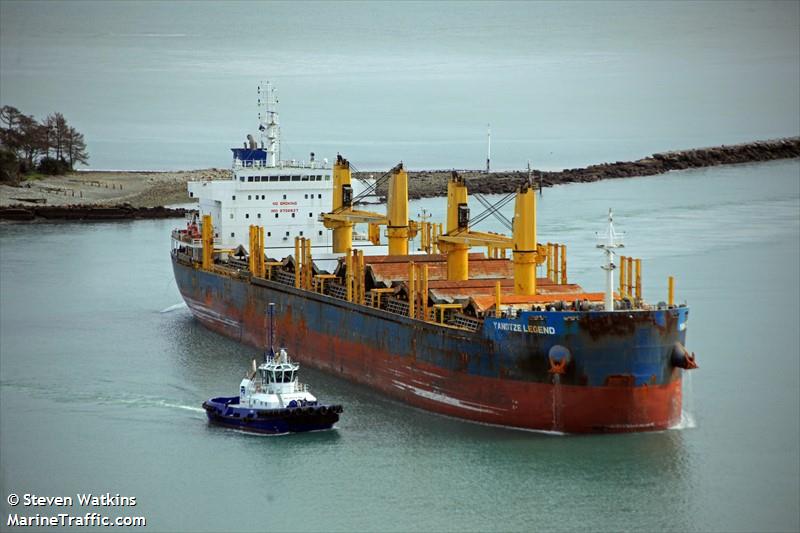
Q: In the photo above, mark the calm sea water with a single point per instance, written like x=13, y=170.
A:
x=157, y=85
x=102, y=373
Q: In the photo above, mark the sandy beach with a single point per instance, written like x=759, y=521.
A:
x=139, y=189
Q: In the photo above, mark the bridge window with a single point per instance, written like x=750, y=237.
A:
x=250, y=178
x=305, y=178
x=241, y=178
x=295, y=178
x=285, y=178
x=273, y=178
x=327, y=178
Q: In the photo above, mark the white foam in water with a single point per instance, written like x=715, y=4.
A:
x=184, y=407
x=175, y=307
x=687, y=421
x=150, y=402
x=687, y=418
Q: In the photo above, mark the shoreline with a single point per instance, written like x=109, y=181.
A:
x=126, y=195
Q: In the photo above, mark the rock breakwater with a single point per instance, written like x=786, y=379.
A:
x=428, y=183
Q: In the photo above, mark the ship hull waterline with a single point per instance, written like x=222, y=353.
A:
x=619, y=375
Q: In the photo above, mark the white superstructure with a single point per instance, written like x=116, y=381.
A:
x=274, y=384
x=286, y=197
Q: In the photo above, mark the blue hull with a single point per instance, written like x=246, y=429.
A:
x=225, y=411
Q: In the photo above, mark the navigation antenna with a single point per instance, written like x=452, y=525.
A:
x=268, y=356
x=608, y=243
x=488, y=146
x=530, y=176
x=268, y=122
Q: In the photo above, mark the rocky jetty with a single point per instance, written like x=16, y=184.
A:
x=87, y=212
x=428, y=183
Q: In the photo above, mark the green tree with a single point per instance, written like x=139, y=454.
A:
x=75, y=148
x=57, y=132
x=53, y=145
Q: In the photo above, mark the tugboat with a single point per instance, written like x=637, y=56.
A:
x=271, y=399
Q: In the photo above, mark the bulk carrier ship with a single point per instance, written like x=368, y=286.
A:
x=478, y=336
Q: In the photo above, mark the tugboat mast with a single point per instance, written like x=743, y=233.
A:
x=268, y=356
x=612, y=242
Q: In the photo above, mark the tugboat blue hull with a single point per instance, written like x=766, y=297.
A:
x=226, y=411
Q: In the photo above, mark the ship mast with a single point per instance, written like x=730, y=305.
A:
x=610, y=241
x=268, y=122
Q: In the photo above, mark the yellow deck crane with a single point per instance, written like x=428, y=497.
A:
x=459, y=238
x=343, y=217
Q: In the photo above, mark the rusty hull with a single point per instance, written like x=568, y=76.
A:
x=553, y=371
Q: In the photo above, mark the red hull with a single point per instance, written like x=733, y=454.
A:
x=534, y=406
